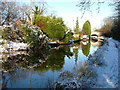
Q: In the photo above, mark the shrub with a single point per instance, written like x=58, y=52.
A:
x=34, y=37
x=53, y=27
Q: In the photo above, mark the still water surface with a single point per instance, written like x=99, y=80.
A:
x=44, y=68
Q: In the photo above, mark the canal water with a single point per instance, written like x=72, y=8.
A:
x=45, y=68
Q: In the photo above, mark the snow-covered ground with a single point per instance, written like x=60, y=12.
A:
x=106, y=64
x=11, y=46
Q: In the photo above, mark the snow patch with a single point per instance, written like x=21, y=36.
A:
x=12, y=46
x=108, y=72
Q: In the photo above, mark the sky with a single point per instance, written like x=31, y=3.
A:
x=68, y=10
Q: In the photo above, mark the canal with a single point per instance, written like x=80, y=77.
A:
x=52, y=68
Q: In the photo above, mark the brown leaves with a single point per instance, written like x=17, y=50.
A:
x=41, y=25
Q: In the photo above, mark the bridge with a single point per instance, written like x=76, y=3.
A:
x=95, y=35
x=98, y=33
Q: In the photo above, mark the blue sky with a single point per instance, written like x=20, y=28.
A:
x=69, y=12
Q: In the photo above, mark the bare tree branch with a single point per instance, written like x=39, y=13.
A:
x=86, y=5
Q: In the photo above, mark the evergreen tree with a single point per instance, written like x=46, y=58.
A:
x=76, y=30
x=87, y=28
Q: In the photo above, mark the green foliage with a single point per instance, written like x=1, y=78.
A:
x=6, y=33
x=86, y=49
x=0, y=34
x=67, y=37
x=55, y=59
x=87, y=28
x=76, y=30
x=53, y=27
x=43, y=19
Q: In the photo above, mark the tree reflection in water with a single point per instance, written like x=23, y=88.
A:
x=39, y=60
x=55, y=59
x=84, y=77
x=86, y=48
x=76, y=48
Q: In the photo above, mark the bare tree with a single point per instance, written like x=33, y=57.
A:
x=10, y=11
x=116, y=28
x=87, y=5
x=7, y=12
x=107, y=26
x=40, y=7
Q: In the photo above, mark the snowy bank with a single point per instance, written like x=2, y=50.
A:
x=11, y=46
x=105, y=63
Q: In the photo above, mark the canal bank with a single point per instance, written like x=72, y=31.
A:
x=105, y=62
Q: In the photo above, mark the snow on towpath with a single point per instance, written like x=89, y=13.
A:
x=106, y=65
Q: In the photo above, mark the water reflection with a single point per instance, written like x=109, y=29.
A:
x=55, y=59
x=76, y=48
x=42, y=66
x=86, y=48
x=84, y=77
x=96, y=43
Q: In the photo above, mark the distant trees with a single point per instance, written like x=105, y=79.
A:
x=111, y=27
x=116, y=28
x=107, y=26
x=108, y=29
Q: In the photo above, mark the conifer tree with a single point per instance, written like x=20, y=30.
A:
x=76, y=30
